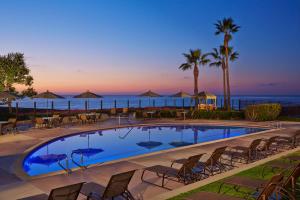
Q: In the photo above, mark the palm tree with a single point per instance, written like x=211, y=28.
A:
x=227, y=27
x=219, y=60
x=194, y=59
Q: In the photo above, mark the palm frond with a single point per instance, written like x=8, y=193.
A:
x=185, y=66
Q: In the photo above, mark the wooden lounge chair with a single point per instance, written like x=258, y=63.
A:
x=270, y=147
x=183, y=160
x=254, y=184
x=267, y=192
x=117, y=186
x=289, y=141
x=214, y=162
x=245, y=153
x=290, y=182
x=69, y=192
x=185, y=174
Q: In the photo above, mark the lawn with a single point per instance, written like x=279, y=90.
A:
x=255, y=173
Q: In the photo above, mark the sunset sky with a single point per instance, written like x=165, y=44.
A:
x=129, y=46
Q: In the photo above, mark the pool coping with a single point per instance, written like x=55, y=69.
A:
x=18, y=164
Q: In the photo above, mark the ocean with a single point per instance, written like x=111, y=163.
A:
x=120, y=101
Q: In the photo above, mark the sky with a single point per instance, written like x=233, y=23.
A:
x=130, y=46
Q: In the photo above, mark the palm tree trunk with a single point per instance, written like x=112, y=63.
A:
x=228, y=90
x=226, y=39
x=224, y=88
x=196, y=74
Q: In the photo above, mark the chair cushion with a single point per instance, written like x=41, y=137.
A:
x=92, y=187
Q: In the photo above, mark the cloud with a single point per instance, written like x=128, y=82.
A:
x=270, y=84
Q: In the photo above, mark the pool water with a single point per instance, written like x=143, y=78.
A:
x=100, y=146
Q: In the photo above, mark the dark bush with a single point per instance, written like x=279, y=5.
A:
x=263, y=112
x=217, y=114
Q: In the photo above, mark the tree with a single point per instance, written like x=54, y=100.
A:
x=13, y=70
x=219, y=60
x=29, y=92
x=227, y=28
x=194, y=59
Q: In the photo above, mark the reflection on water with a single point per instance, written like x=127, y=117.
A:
x=94, y=147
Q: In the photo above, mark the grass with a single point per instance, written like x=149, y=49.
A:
x=255, y=173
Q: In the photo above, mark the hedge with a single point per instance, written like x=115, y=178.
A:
x=263, y=112
x=217, y=114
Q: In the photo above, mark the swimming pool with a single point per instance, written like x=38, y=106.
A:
x=100, y=146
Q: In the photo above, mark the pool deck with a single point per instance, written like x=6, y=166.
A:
x=12, y=147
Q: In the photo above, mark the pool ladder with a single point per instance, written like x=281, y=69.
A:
x=81, y=166
x=66, y=169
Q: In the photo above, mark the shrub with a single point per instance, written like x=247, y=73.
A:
x=217, y=114
x=263, y=112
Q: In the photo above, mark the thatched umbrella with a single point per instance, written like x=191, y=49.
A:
x=7, y=97
x=149, y=94
x=47, y=95
x=87, y=95
x=181, y=94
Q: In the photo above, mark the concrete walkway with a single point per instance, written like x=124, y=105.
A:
x=13, y=146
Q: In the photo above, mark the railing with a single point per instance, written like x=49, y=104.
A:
x=66, y=169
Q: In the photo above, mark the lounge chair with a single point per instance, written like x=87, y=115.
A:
x=245, y=153
x=266, y=193
x=270, y=146
x=291, y=181
x=186, y=174
x=117, y=186
x=212, y=164
x=254, y=184
x=183, y=160
x=69, y=192
x=289, y=141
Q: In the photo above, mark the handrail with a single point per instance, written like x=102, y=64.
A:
x=68, y=171
x=77, y=164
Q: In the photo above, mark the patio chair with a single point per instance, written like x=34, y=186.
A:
x=117, y=186
x=74, y=120
x=245, y=153
x=40, y=123
x=83, y=118
x=186, y=174
x=66, y=121
x=69, y=192
x=113, y=111
x=11, y=126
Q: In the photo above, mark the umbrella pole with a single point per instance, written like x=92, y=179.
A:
x=47, y=107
